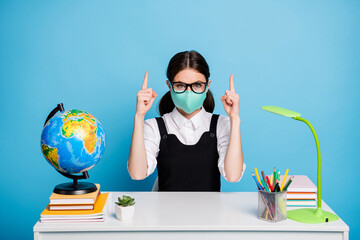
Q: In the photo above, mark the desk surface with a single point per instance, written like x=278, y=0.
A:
x=191, y=211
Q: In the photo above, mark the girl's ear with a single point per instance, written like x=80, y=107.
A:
x=168, y=83
x=208, y=85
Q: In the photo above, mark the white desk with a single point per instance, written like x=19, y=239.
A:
x=195, y=215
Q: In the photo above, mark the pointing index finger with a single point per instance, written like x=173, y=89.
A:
x=232, y=87
x=145, y=82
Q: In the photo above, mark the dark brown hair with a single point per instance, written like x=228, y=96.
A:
x=181, y=61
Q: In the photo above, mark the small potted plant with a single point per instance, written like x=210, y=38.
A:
x=124, y=208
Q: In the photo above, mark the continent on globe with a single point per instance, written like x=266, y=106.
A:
x=84, y=127
x=50, y=154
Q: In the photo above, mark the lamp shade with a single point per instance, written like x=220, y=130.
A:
x=281, y=111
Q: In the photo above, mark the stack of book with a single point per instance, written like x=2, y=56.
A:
x=75, y=208
x=302, y=193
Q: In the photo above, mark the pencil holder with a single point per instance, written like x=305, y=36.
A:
x=272, y=206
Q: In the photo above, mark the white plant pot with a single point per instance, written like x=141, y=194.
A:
x=124, y=213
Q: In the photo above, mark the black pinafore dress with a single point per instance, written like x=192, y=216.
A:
x=188, y=167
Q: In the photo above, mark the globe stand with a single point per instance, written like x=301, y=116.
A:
x=75, y=187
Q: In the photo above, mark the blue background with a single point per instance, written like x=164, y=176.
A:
x=92, y=55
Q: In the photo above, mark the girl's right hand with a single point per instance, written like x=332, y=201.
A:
x=145, y=97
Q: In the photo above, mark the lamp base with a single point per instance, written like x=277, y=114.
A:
x=310, y=215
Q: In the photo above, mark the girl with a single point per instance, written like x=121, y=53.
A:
x=190, y=146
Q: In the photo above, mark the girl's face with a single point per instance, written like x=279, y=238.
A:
x=189, y=76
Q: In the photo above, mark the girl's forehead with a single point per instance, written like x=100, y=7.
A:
x=189, y=75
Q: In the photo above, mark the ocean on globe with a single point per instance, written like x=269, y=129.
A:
x=73, y=141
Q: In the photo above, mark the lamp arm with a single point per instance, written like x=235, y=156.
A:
x=319, y=159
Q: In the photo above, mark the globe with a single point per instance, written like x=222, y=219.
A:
x=73, y=141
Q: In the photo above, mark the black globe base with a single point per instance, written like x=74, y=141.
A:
x=75, y=187
x=72, y=189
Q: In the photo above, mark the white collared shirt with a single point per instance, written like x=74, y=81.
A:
x=188, y=131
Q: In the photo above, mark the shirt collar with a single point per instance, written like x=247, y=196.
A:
x=180, y=120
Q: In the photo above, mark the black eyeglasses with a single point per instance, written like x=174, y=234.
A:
x=196, y=87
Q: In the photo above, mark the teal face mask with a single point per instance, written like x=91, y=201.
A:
x=188, y=100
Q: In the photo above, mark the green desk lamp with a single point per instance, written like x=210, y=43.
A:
x=306, y=215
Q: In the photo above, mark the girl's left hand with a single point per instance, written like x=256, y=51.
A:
x=231, y=100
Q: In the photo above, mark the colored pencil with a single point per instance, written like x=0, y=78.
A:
x=283, y=181
x=288, y=183
x=276, y=187
x=265, y=185
x=263, y=175
x=274, y=180
x=257, y=175
x=257, y=183
x=278, y=176
x=269, y=182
